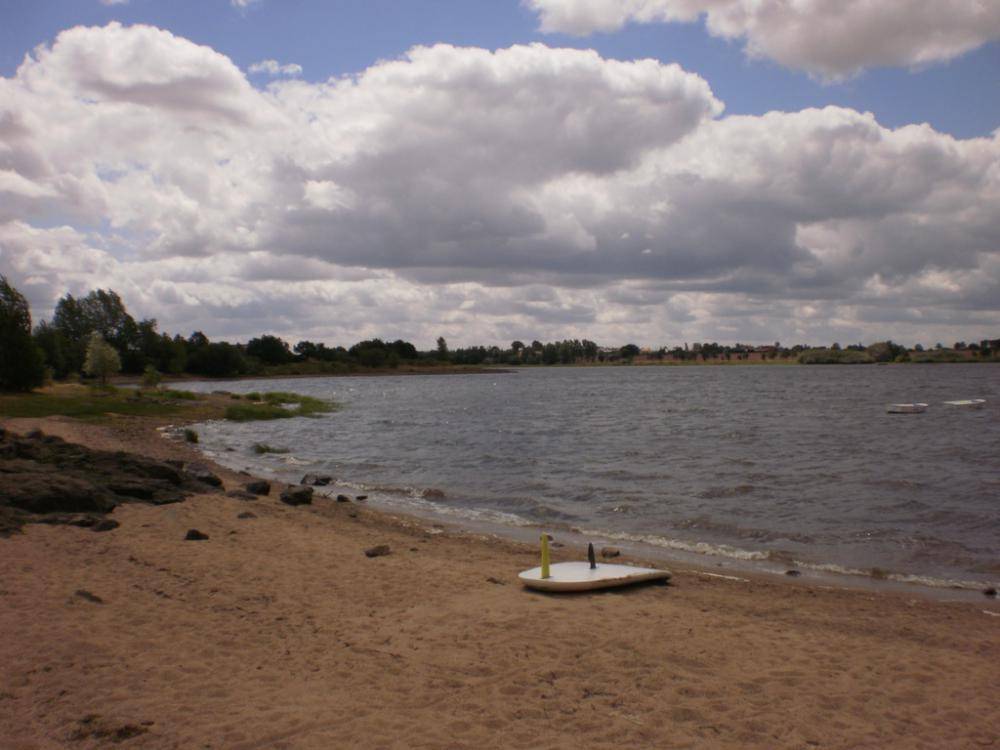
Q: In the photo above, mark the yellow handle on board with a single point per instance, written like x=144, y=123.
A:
x=545, y=556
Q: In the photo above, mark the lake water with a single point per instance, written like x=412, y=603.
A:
x=769, y=465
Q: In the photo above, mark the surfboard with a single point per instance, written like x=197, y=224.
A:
x=969, y=403
x=579, y=576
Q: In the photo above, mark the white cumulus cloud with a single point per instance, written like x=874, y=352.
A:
x=274, y=68
x=829, y=39
x=527, y=192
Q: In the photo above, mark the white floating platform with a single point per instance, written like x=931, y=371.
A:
x=968, y=403
x=906, y=408
x=579, y=576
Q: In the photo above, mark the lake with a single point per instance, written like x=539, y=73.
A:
x=773, y=466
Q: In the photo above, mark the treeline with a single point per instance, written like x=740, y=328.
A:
x=64, y=347
x=71, y=344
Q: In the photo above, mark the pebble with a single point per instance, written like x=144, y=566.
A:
x=610, y=552
x=379, y=550
x=194, y=535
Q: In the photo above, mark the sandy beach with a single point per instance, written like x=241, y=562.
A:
x=279, y=632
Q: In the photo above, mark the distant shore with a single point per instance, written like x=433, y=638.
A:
x=278, y=629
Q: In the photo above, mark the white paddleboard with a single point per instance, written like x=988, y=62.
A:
x=579, y=576
x=969, y=403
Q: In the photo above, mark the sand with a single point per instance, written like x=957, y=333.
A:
x=278, y=632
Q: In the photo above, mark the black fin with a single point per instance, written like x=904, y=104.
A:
x=590, y=556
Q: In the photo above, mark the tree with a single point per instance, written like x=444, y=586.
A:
x=151, y=377
x=270, y=350
x=102, y=360
x=104, y=312
x=442, y=349
x=629, y=351
x=54, y=347
x=21, y=367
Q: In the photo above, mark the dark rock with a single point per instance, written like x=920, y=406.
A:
x=34, y=434
x=54, y=493
x=433, y=494
x=259, y=487
x=609, y=552
x=194, y=535
x=84, y=594
x=300, y=495
x=106, y=524
x=361, y=497
x=793, y=573
x=43, y=479
x=241, y=495
x=343, y=499
x=991, y=592
x=316, y=480
x=247, y=514
x=132, y=489
x=379, y=550
x=202, y=473
x=497, y=581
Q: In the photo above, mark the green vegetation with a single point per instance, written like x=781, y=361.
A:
x=277, y=405
x=151, y=377
x=261, y=448
x=97, y=335
x=835, y=357
x=177, y=395
x=83, y=402
x=190, y=435
x=21, y=364
x=102, y=361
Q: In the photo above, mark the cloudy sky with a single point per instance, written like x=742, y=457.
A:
x=648, y=171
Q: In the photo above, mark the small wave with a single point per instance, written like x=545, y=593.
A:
x=714, y=493
x=293, y=461
x=701, y=548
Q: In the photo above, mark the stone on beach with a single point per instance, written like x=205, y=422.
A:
x=203, y=474
x=300, y=495
x=194, y=535
x=258, y=487
x=609, y=552
x=317, y=480
x=379, y=550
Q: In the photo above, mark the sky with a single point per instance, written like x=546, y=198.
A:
x=646, y=171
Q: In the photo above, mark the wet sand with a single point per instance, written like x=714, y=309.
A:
x=278, y=632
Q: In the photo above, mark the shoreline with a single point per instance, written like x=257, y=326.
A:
x=694, y=553
x=279, y=631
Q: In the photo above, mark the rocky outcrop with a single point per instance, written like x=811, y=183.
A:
x=45, y=479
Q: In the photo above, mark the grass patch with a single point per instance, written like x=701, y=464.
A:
x=261, y=448
x=277, y=405
x=82, y=402
x=177, y=395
